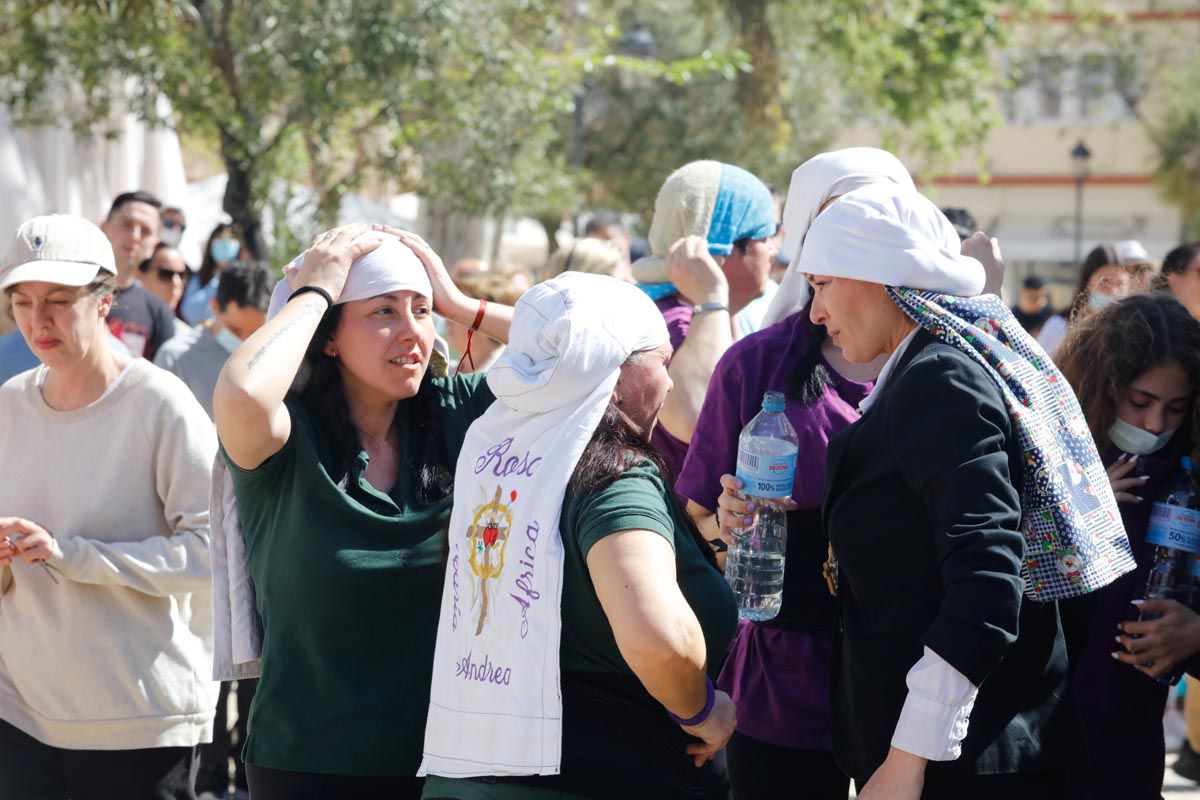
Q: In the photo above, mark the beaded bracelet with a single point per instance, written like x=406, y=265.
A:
x=710, y=699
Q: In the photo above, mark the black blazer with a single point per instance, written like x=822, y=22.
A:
x=922, y=508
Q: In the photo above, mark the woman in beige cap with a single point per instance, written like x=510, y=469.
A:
x=105, y=586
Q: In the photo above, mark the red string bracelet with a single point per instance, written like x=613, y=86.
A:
x=466, y=356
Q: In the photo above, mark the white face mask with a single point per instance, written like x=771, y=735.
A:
x=227, y=340
x=170, y=236
x=1135, y=441
x=1097, y=301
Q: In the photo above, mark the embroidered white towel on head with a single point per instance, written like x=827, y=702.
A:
x=495, y=702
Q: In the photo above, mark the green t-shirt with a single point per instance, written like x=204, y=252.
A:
x=637, y=500
x=348, y=582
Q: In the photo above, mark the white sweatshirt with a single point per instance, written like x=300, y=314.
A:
x=118, y=654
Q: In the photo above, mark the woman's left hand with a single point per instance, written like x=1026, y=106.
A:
x=1157, y=645
x=901, y=776
x=714, y=732
x=448, y=300
x=28, y=541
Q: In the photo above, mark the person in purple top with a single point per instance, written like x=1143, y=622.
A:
x=779, y=672
x=1135, y=367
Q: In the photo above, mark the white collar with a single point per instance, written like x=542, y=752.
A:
x=886, y=372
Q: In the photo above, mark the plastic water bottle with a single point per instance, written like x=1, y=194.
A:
x=1175, y=533
x=766, y=466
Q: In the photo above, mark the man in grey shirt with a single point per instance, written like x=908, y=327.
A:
x=239, y=309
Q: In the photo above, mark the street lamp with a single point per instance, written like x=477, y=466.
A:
x=1080, y=156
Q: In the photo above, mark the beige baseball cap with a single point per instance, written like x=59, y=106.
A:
x=57, y=248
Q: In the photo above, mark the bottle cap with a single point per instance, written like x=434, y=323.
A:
x=773, y=401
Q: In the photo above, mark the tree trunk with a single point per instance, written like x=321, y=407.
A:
x=453, y=236
x=240, y=202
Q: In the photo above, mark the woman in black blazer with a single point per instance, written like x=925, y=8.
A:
x=965, y=501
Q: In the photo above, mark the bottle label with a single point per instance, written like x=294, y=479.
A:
x=766, y=476
x=1175, y=527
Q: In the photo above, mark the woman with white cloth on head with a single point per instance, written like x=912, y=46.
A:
x=343, y=492
x=582, y=616
x=779, y=672
x=967, y=500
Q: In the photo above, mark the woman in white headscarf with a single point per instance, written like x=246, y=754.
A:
x=582, y=617
x=343, y=493
x=779, y=673
x=966, y=500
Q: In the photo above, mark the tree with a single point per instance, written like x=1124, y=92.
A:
x=330, y=93
x=473, y=103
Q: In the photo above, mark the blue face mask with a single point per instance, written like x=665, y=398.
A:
x=224, y=250
x=227, y=340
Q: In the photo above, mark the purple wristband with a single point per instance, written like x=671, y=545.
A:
x=710, y=699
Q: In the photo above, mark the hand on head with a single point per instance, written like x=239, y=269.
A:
x=696, y=273
x=327, y=262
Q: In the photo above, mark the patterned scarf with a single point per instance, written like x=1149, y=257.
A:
x=1075, y=542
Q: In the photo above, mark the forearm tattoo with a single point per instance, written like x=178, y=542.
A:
x=313, y=308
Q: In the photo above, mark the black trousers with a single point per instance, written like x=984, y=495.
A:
x=758, y=770
x=31, y=770
x=1018, y=786
x=274, y=784
x=226, y=744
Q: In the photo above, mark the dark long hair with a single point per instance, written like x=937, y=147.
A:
x=613, y=449
x=326, y=395
x=808, y=378
x=1108, y=349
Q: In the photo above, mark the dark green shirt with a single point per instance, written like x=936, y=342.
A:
x=348, y=583
x=638, y=500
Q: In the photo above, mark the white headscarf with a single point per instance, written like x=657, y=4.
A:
x=391, y=267
x=889, y=234
x=813, y=183
x=495, y=702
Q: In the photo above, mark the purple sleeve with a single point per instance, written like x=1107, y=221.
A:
x=672, y=450
x=678, y=316
x=713, y=449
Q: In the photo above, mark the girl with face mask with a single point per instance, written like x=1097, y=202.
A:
x=224, y=246
x=1135, y=366
x=1109, y=272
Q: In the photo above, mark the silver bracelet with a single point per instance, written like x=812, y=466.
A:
x=715, y=305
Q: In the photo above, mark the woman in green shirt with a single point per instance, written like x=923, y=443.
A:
x=607, y=693
x=343, y=490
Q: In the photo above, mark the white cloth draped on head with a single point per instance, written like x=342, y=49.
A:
x=391, y=267
x=813, y=183
x=495, y=702
x=894, y=235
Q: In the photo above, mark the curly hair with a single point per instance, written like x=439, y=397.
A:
x=1108, y=349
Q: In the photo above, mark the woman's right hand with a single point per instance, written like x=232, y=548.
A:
x=696, y=273
x=715, y=731
x=327, y=262
x=734, y=515
x=1121, y=484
